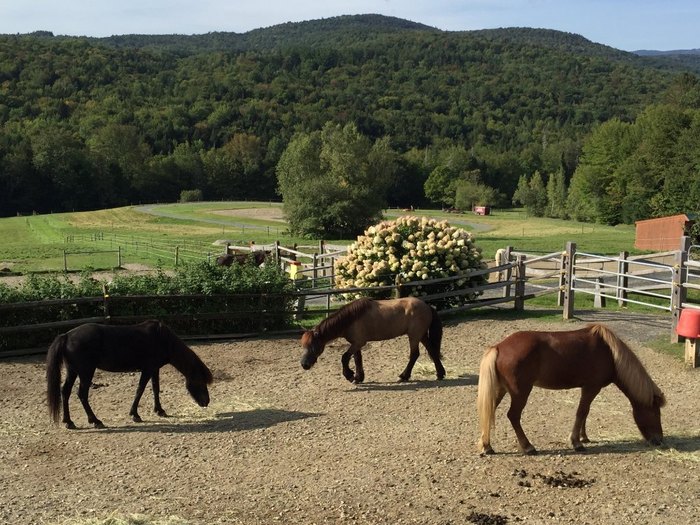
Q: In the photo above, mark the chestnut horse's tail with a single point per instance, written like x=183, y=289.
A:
x=54, y=361
x=629, y=369
x=435, y=335
x=487, y=397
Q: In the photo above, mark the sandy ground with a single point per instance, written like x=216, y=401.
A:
x=282, y=445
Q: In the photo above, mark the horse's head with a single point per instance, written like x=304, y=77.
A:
x=313, y=348
x=197, y=384
x=648, y=419
x=199, y=392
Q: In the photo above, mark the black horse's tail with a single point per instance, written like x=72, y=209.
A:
x=54, y=361
x=435, y=335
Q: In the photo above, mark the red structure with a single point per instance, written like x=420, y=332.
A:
x=482, y=210
x=663, y=233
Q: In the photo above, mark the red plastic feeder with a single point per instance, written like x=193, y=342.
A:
x=689, y=327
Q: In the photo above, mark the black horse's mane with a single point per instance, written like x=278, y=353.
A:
x=340, y=320
x=184, y=358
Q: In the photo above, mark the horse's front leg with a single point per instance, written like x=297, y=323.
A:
x=517, y=404
x=359, y=369
x=345, y=361
x=143, y=381
x=155, y=384
x=578, y=432
x=83, y=392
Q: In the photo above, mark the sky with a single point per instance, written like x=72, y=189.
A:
x=628, y=25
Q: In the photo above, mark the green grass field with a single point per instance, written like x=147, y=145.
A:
x=150, y=234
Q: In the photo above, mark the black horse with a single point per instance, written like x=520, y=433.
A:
x=144, y=347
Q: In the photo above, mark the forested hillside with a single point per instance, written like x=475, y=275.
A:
x=90, y=123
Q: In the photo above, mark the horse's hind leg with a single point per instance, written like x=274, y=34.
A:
x=434, y=354
x=83, y=392
x=413, y=356
x=143, y=381
x=517, y=404
x=71, y=376
x=155, y=384
x=578, y=433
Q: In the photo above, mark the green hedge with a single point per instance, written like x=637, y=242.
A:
x=198, y=299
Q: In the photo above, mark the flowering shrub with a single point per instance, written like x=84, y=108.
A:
x=411, y=250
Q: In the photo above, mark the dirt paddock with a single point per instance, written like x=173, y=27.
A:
x=282, y=445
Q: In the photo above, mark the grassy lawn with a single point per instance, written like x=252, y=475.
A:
x=37, y=243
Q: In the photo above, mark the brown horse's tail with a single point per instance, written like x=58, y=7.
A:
x=435, y=336
x=630, y=372
x=54, y=361
x=487, y=397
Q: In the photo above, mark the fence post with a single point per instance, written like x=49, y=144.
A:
x=562, y=272
x=177, y=255
x=65, y=261
x=568, y=311
x=598, y=299
x=678, y=291
x=314, y=275
x=105, y=302
x=622, y=278
x=508, y=272
x=277, y=253
x=519, y=303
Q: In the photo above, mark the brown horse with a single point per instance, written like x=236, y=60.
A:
x=590, y=358
x=256, y=257
x=366, y=320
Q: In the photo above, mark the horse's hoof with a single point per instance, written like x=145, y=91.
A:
x=579, y=448
x=161, y=413
x=98, y=424
x=532, y=451
x=70, y=425
x=403, y=379
x=136, y=418
x=349, y=376
x=441, y=377
x=488, y=451
x=358, y=380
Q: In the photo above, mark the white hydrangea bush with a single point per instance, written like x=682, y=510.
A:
x=411, y=249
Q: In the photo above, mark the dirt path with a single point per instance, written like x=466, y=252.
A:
x=282, y=445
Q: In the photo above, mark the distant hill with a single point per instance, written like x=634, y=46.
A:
x=154, y=114
x=688, y=59
x=648, y=52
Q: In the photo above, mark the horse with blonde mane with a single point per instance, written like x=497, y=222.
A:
x=365, y=320
x=590, y=359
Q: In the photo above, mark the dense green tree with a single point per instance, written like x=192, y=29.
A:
x=333, y=182
x=556, y=195
x=532, y=194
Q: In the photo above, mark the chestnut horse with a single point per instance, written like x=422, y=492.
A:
x=144, y=347
x=590, y=359
x=366, y=320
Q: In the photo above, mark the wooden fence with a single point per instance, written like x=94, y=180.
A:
x=659, y=281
